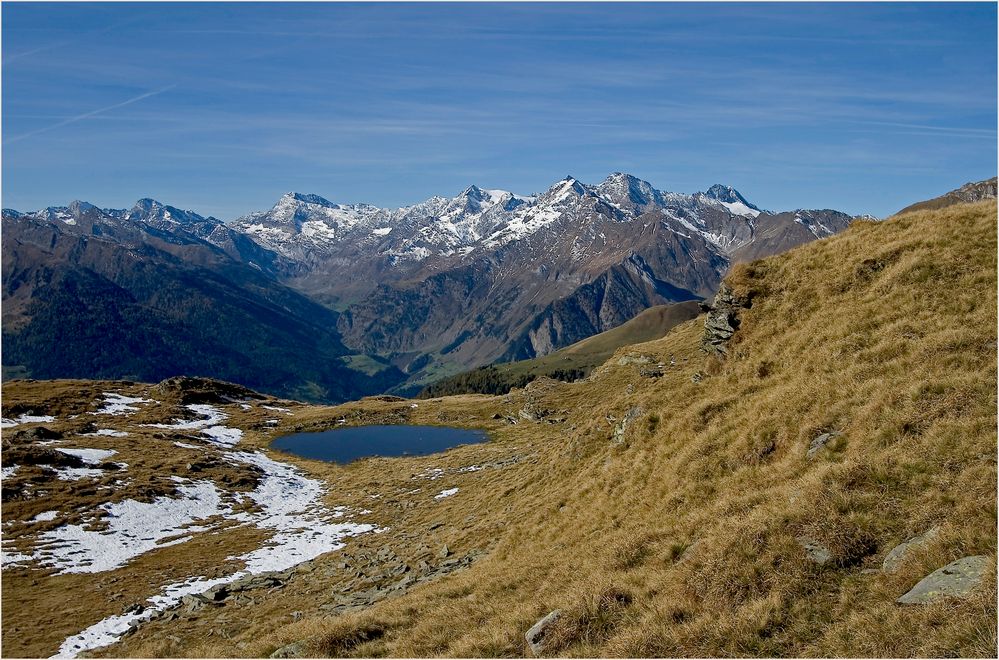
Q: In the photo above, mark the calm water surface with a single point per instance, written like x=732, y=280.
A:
x=351, y=443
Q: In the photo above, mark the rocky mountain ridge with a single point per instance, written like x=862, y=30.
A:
x=453, y=283
x=970, y=192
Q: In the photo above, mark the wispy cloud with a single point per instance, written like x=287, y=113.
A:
x=88, y=115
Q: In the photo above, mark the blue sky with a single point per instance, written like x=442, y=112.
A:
x=221, y=108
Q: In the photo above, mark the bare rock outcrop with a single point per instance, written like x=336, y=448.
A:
x=722, y=320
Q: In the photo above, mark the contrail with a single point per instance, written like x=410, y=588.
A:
x=87, y=115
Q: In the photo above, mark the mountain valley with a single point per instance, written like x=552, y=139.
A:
x=387, y=299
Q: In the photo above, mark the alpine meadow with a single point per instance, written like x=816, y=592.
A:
x=597, y=417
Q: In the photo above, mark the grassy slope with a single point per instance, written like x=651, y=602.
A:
x=651, y=324
x=887, y=333
x=593, y=351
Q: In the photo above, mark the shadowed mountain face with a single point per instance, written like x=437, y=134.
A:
x=95, y=296
x=401, y=294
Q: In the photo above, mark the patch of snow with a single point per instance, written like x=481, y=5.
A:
x=471, y=468
x=284, y=410
x=738, y=208
x=431, y=474
x=6, y=423
x=223, y=435
x=210, y=418
x=75, y=474
x=318, y=229
x=286, y=500
x=91, y=456
x=10, y=559
x=381, y=231
x=8, y=471
x=445, y=493
x=109, y=630
x=109, y=432
x=118, y=404
x=133, y=528
x=186, y=446
x=291, y=504
x=45, y=516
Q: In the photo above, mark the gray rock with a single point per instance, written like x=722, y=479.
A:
x=955, y=580
x=817, y=552
x=722, y=320
x=629, y=417
x=893, y=560
x=634, y=359
x=444, y=552
x=194, y=602
x=218, y=593
x=821, y=441
x=536, y=635
x=293, y=650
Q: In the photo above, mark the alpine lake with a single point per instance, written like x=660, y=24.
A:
x=345, y=445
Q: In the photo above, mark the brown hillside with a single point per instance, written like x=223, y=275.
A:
x=682, y=538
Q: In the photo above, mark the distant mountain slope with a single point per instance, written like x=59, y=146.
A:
x=969, y=192
x=91, y=294
x=569, y=363
x=451, y=283
x=414, y=293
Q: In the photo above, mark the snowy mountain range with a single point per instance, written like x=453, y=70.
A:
x=478, y=219
x=439, y=286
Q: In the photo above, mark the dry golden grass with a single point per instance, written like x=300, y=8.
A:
x=886, y=333
x=680, y=540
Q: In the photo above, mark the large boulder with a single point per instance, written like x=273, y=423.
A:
x=722, y=320
x=893, y=560
x=955, y=580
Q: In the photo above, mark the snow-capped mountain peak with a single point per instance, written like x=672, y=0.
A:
x=306, y=198
x=629, y=193
x=80, y=206
x=307, y=226
x=157, y=214
x=732, y=200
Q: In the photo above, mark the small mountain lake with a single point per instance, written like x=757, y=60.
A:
x=348, y=444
